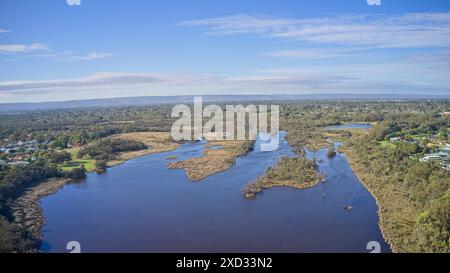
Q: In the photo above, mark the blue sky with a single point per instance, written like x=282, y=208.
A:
x=52, y=51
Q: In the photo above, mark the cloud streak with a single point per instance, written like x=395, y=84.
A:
x=23, y=48
x=42, y=50
x=73, y=56
x=280, y=81
x=312, y=54
x=413, y=30
x=95, y=80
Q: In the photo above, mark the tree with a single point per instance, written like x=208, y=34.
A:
x=331, y=153
x=59, y=157
x=434, y=226
x=14, y=239
x=380, y=131
x=75, y=139
x=77, y=173
x=60, y=142
x=101, y=166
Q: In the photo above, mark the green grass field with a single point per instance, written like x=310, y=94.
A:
x=89, y=163
x=387, y=143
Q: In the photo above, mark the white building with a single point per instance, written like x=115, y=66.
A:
x=18, y=163
x=394, y=139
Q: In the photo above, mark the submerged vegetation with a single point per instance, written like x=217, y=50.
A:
x=331, y=153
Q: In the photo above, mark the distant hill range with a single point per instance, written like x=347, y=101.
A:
x=142, y=101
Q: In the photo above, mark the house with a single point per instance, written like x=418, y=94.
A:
x=74, y=145
x=21, y=157
x=411, y=141
x=394, y=139
x=404, y=140
x=440, y=156
x=447, y=166
x=18, y=163
x=2, y=162
x=431, y=157
x=446, y=148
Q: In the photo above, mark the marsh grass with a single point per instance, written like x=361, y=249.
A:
x=213, y=160
x=297, y=172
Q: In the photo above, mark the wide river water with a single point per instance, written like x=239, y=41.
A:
x=142, y=206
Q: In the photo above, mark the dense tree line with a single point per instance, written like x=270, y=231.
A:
x=105, y=149
x=13, y=181
x=14, y=238
x=84, y=125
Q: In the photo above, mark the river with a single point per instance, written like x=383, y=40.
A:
x=142, y=206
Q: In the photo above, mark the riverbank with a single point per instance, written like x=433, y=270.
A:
x=393, y=207
x=388, y=228
x=26, y=209
x=214, y=160
x=343, y=135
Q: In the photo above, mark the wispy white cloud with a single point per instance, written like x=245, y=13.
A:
x=129, y=80
x=277, y=81
x=69, y=55
x=238, y=24
x=22, y=48
x=95, y=80
x=90, y=56
x=312, y=53
x=42, y=50
x=439, y=60
x=413, y=30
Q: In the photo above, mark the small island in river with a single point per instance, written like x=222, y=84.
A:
x=297, y=172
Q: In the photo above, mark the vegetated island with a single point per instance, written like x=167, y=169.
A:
x=214, y=160
x=296, y=172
